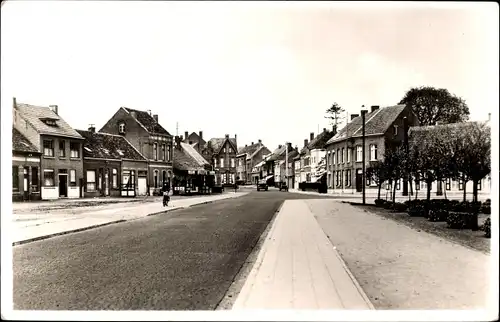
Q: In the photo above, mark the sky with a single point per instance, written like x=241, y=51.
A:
x=265, y=70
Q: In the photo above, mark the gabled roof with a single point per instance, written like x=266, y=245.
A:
x=147, y=121
x=108, y=146
x=318, y=142
x=21, y=144
x=35, y=114
x=187, y=158
x=278, y=153
x=218, y=143
x=249, y=149
x=376, y=122
x=291, y=156
x=197, y=136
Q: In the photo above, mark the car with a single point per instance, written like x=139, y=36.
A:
x=262, y=185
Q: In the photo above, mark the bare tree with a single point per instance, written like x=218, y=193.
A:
x=334, y=114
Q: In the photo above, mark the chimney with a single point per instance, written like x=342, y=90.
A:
x=251, y=144
x=209, y=144
x=155, y=116
x=246, y=145
x=353, y=116
x=489, y=114
x=311, y=136
x=289, y=146
x=324, y=129
x=178, y=140
x=375, y=107
x=186, y=135
x=54, y=109
x=201, y=135
x=14, y=104
x=235, y=136
x=260, y=141
x=134, y=114
x=182, y=139
x=227, y=136
x=91, y=128
x=280, y=146
x=149, y=112
x=306, y=142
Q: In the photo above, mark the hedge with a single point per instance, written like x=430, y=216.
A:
x=438, y=215
x=487, y=228
x=459, y=220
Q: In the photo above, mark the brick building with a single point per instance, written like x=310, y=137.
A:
x=112, y=166
x=195, y=140
x=311, y=155
x=61, y=163
x=145, y=133
x=383, y=128
x=221, y=154
x=25, y=168
x=249, y=156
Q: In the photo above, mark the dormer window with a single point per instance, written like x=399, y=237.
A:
x=49, y=121
x=120, y=152
x=395, y=130
x=121, y=128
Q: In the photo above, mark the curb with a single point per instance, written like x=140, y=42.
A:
x=29, y=240
x=65, y=232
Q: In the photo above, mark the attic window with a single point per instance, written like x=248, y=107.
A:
x=120, y=152
x=395, y=130
x=105, y=150
x=121, y=128
x=87, y=149
x=26, y=144
x=49, y=122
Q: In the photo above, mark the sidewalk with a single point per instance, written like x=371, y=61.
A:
x=298, y=268
x=42, y=226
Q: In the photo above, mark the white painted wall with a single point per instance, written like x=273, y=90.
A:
x=74, y=192
x=50, y=193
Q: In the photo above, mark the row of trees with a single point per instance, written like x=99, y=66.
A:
x=459, y=151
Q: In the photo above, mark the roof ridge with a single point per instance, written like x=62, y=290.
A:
x=368, y=121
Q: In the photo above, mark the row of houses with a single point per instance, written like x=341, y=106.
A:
x=336, y=157
x=131, y=155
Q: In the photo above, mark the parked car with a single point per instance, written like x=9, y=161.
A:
x=262, y=185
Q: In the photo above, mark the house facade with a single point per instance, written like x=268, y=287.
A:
x=344, y=151
x=193, y=174
x=296, y=171
x=311, y=155
x=61, y=162
x=25, y=168
x=288, y=177
x=111, y=166
x=249, y=156
x=155, y=143
x=271, y=166
x=221, y=154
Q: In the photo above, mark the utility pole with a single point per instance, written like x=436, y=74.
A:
x=405, y=178
x=177, y=129
x=363, y=180
x=286, y=163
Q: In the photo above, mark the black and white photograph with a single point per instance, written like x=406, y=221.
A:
x=249, y=160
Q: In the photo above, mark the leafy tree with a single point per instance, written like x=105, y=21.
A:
x=394, y=163
x=334, y=114
x=377, y=172
x=433, y=105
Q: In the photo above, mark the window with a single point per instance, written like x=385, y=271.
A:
x=72, y=177
x=230, y=150
x=479, y=185
x=48, y=177
x=15, y=178
x=162, y=154
x=221, y=162
x=333, y=157
x=74, y=149
x=156, y=178
x=368, y=179
x=62, y=149
x=34, y=179
x=168, y=153
x=48, y=148
x=224, y=150
x=232, y=162
x=373, y=152
x=99, y=179
x=155, y=151
x=115, y=178
x=460, y=184
x=121, y=128
x=398, y=184
x=91, y=180
x=448, y=184
x=342, y=155
x=338, y=156
x=395, y=129
x=222, y=178
x=359, y=153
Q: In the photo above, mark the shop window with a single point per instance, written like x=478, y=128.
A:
x=15, y=178
x=72, y=177
x=115, y=178
x=48, y=177
x=91, y=186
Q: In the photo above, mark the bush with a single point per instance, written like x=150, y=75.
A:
x=379, y=202
x=438, y=215
x=487, y=228
x=416, y=210
x=459, y=220
x=486, y=207
x=400, y=207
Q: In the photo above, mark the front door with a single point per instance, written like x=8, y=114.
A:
x=63, y=185
x=26, y=183
x=106, y=182
x=359, y=180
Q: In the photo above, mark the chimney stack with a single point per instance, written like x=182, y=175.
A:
x=134, y=114
x=324, y=129
x=289, y=146
x=91, y=128
x=375, y=107
x=306, y=142
x=260, y=141
x=155, y=116
x=311, y=136
x=209, y=144
x=149, y=112
x=252, y=143
x=14, y=103
x=186, y=135
x=489, y=114
x=201, y=135
x=235, y=136
x=227, y=136
x=353, y=116
x=54, y=109
x=246, y=145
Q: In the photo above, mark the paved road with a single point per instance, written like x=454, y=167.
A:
x=183, y=260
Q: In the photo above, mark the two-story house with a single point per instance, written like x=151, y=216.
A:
x=221, y=154
x=288, y=176
x=272, y=165
x=249, y=156
x=154, y=142
x=296, y=171
x=383, y=128
x=61, y=163
x=111, y=165
x=195, y=140
x=311, y=155
x=25, y=168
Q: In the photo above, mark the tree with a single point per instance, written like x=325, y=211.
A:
x=433, y=105
x=377, y=172
x=394, y=163
x=334, y=114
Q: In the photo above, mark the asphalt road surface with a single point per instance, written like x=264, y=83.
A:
x=182, y=260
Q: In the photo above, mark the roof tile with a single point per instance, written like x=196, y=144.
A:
x=21, y=144
x=148, y=121
x=108, y=146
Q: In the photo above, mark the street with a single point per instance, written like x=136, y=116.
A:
x=181, y=260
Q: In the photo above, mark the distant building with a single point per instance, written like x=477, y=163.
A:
x=249, y=156
x=221, y=154
x=61, y=165
x=25, y=168
x=311, y=155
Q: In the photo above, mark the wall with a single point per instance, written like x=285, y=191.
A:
x=227, y=156
x=21, y=160
x=93, y=164
x=143, y=166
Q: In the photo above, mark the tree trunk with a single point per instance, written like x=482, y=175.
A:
x=394, y=192
x=379, y=188
x=429, y=185
x=474, y=190
x=445, y=196
x=465, y=187
x=411, y=189
x=475, y=209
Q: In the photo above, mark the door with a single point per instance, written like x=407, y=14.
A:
x=63, y=185
x=359, y=180
x=26, y=183
x=142, y=186
x=106, y=182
